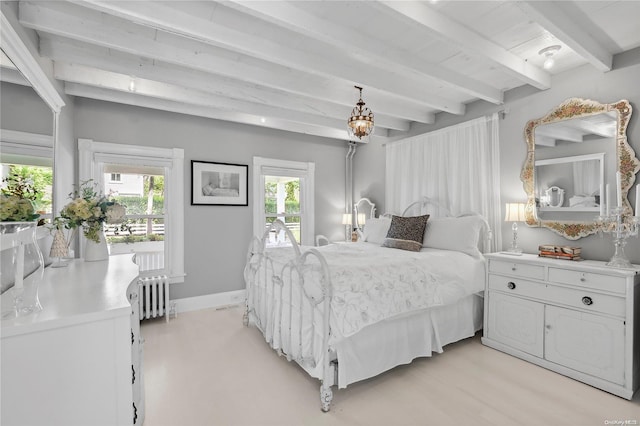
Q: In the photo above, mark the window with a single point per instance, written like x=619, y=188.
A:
x=29, y=156
x=151, y=187
x=141, y=192
x=115, y=177
x=284, y=190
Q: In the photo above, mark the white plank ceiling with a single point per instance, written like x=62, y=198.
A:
x=293, y=65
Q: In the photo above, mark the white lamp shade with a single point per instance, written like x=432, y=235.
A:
x=515, y=212
x=362, y=218
x=346, y=218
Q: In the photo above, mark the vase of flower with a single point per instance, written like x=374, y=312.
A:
x=89, y=210
x=94, y=252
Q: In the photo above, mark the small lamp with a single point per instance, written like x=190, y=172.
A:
x=362, y=219
x=346, y=221
x=515, y=214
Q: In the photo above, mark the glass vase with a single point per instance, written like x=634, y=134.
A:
x=22, y=269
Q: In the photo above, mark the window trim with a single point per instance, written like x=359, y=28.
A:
x=92, y=154
x=304, y=170
x=37, y=147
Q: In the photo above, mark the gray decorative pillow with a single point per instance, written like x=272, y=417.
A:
x=406, y=233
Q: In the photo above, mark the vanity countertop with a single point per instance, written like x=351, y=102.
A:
x=79, y=293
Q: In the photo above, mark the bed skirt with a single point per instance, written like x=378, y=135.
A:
x=382, y=346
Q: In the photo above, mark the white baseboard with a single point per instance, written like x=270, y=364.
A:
x=216, y=300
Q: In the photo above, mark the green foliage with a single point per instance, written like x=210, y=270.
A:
x=138, y=205
x=270, y=190
x=293, y=190
x=40, y=180
x=130, y=239
x=289, y=206
x=158, y=184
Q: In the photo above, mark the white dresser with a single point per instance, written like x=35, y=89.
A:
x=78, y=362
x=573, y=317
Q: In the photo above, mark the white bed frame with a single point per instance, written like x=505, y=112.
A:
x=260, y=299
x=298, y=269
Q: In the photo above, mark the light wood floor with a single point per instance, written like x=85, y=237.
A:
x=205, y=368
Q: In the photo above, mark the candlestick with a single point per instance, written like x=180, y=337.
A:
x=19, y=276
x=637, y=200
x=601, y=200
x=608, y=200
x=619, y=189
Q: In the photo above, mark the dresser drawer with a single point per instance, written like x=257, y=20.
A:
x=588, y=279
x=535, y=272
x=517, y=286
x=584, y=299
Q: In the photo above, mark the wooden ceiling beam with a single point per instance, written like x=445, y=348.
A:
x=469, y=41
x=62, y=19
x=70, y=51
x=312, y=58
x=80, y=74
x=108, y=95
x=552, y=17
x=292, y=17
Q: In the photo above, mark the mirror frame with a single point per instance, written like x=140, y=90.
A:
x=627, y=163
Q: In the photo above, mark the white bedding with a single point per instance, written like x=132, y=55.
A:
x=373, y=284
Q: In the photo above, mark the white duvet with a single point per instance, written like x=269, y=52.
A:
x=371, y=284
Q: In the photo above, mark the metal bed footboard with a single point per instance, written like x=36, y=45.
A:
x=291, y=304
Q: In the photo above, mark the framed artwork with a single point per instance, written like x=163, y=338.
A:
x=219, y=184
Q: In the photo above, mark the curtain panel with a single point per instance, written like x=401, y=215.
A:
x=458, y=166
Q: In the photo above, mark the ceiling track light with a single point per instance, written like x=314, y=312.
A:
x=549, y=53
x=361, y=120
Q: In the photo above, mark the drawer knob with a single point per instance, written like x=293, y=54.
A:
x=587, y=300
x=513, y=268
x=582, y=279
x=511, y=285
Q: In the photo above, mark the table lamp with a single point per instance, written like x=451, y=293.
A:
x=515, y=214
x=346, y=221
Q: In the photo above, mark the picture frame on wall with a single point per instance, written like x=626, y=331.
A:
x=219, y=184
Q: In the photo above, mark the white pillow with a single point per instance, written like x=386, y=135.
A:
x=375, y=229
x=454, y=233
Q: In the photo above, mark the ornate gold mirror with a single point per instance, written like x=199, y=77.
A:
x=577, y=147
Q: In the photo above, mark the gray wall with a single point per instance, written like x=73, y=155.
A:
x=217, y=237
x=523, y=105
x=23, y=110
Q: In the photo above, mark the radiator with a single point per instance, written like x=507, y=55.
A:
x=153, y=296
x=149, y=260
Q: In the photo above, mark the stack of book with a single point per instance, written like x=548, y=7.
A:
x=559, y=252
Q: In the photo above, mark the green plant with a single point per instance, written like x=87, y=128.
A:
x=138, y=205
x=130, y=239
x=16, y=200
x=41, y=180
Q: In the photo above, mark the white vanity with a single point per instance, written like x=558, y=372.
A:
x=78, y=361
x=576, y=318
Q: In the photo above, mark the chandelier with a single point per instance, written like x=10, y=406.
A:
x=361, y=119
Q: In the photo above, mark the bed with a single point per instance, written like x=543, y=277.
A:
x=350, y=311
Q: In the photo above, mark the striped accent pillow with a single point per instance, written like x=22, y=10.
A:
x=406, y=233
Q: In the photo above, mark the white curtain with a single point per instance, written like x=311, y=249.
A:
x=586, y=177
x=458, y=166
